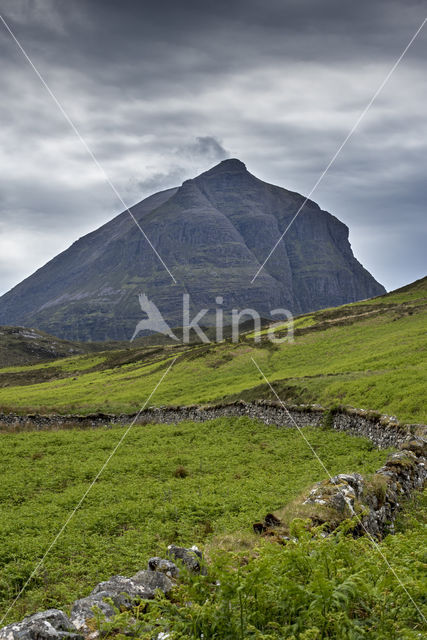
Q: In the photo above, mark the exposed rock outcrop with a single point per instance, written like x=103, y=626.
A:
x=190, y=558
x=167, y=567
x=123, y=592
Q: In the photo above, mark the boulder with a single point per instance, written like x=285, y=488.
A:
x=167, y=567
x=123, y=592
x=338, y=493
x=190, y=558
x=417, y=445
x=52, y=624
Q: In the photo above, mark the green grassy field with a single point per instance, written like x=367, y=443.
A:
x=234, y=471
x=369, y=355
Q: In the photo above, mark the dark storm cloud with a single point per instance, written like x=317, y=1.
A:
x=163, y=90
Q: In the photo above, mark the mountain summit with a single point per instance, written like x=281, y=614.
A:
x=213, y=232
x=230, y=165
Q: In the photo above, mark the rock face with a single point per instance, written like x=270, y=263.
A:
x=213, y=232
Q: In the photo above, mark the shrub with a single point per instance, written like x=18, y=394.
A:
x=180, y=472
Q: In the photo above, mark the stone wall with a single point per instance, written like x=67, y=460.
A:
x=373, y=502
x=383, y=431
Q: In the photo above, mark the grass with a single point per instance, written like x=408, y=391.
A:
x=376, y=363
x=183, y=484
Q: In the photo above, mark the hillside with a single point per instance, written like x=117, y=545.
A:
x=21, y=346
x=208, y=483
x=214, y=232
x=368, y=354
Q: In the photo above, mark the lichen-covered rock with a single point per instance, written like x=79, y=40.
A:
x=403, y=460
x=189, y=557
x=167, y=567
x=52, y=624
x=339, y=493
x=83, y=610
x=375, y=502
x=122, y=591
x=416, y=445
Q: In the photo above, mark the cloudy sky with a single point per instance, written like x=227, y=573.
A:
x=162, y=90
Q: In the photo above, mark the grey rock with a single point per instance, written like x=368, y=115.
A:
x=52, y=624
x=122, y=591
x=404, y=472
x=167, y=567
x=214, y=230
x=339, y=493
x=355, y=480
x=189, y=557
x=416, y=445
x=83, y=610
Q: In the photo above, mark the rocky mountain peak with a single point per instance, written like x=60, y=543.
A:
x=230, y=165
x=213, y=232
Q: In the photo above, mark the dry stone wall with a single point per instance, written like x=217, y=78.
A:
x=383, y=431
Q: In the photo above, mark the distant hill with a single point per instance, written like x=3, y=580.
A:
x=20, y=346
x=23, y=346
x=214, y=232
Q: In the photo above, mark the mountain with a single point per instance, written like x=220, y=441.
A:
x=213, y=232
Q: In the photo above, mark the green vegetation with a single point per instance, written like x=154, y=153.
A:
x=183, y=484
x=206, y=483
x=312, y=588
x=369, y=355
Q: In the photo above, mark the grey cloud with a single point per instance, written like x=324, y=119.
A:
x=208, y=147
x=184, y=161
x=159, y=181
x=163, y=90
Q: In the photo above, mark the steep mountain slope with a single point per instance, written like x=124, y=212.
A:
x=213, y=232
